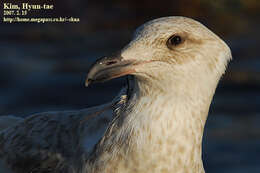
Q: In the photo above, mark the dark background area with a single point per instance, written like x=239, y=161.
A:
x=43, y=66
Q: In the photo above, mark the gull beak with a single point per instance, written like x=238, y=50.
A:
x=107, y=68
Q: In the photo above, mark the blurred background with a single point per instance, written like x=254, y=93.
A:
x=43, y=66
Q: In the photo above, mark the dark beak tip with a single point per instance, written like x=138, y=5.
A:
x=88, y=82
x=106, y=68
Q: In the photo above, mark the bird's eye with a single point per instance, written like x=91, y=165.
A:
x=174, y=41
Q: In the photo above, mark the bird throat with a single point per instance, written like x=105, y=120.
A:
x=158, y=133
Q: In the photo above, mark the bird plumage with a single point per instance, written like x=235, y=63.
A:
x=156, y=127
x=56, y=141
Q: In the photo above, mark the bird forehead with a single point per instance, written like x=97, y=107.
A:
x=166, y=26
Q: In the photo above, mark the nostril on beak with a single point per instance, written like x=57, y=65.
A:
x=111, y=62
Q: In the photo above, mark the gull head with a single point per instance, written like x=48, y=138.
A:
x=168, y=51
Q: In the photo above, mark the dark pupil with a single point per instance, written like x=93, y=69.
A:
x=176, y=40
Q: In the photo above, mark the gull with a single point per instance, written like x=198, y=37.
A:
x=154, y=125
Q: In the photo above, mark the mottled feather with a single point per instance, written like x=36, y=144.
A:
x=157, y=127
x=56, y=141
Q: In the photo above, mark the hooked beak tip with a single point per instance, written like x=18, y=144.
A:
x=87, y=82
x=107, y=68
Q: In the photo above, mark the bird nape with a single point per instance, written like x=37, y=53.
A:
x=156, y=125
